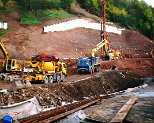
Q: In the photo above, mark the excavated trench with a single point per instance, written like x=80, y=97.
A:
x=56, y=93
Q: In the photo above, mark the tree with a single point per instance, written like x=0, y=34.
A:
x=4, y=2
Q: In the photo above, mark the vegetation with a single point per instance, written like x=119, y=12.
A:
x=3, y=32
x=135, y=15
x=132, y=14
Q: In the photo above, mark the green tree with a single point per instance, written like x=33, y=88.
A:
x=4, y=2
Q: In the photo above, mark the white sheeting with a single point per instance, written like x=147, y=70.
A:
x=3, y=25
x=22, y=109
x=80, y=23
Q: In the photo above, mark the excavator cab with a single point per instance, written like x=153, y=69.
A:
x=12, y=66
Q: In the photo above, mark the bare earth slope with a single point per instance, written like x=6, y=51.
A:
x=25, y=41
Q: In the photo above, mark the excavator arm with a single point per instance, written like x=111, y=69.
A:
x=5, y=53
x=9, y=65
x=104, y=44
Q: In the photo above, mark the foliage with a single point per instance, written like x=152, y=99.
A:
x=136, y=15
x=45, y=4
x=3, y=32
x=133, y=14
x=29, y=18
x=4, y=2
x=92, y=6
x=65, y=4
x=51, y=14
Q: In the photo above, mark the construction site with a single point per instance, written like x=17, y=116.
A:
x=75, y=70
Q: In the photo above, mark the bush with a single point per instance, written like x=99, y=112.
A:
x=65, y=4
x=29, y=18
x=51, y=14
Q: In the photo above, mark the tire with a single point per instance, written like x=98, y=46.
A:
x=62, y=78
x=91, y=70
x=58, y=78
x=50, y=79
x=46, y=79
x=97, y=68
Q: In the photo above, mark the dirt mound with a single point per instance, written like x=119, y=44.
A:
x=132, y=44
x=142, y=67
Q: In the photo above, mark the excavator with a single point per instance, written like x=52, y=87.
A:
x=104, y=45
x=9, y=65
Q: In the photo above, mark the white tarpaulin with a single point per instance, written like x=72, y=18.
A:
x=22, y=109
x=80, y=23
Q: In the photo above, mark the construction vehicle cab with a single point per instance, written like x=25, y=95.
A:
x=12, y=65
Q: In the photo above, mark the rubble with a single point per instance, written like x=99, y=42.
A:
x=57, y=93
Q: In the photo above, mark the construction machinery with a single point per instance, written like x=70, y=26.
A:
x=46, y=69
x=92, y=64
x=104, y=45
x=89, y=65
x=9, y=65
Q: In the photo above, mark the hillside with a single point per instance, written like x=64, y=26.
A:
x=25, y=41
x=22, y=41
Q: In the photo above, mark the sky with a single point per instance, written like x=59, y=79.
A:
x=150, y=2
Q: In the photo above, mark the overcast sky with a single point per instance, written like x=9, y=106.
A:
x=150, y=2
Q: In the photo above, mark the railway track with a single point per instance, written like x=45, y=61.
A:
x=60, y=112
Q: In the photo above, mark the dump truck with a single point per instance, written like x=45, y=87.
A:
x=88, y=65
x=46, y=69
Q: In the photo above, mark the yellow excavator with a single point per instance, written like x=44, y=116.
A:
x=107, y=54
x=9, y=65
x=105, y=46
